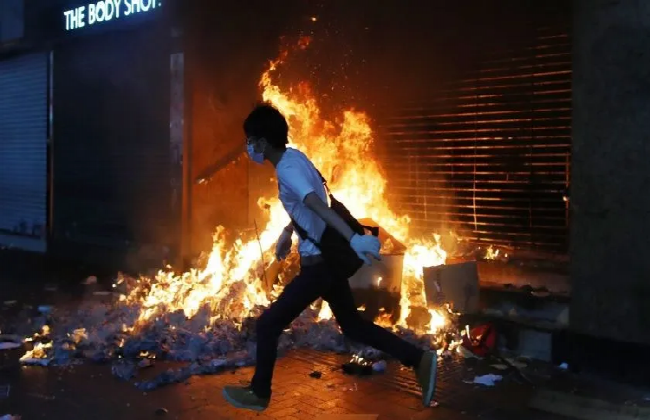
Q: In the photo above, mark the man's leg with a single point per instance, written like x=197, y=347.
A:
x=339, y=296
x=296, y=296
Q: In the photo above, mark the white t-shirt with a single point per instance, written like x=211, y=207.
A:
x=297, y=177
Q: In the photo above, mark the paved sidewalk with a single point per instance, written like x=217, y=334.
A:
x=91, y=392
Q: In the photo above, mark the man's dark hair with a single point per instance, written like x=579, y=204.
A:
x=266, y=121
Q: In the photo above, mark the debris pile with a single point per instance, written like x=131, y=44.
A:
x=112, y=332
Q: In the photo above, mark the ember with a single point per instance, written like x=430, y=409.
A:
x=205, y=315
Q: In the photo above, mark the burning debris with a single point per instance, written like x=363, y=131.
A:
x=206, y=316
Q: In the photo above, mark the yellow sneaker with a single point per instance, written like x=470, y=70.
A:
x=244, y=397
x=426, y=376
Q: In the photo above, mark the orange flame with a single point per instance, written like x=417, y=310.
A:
x=340, y=149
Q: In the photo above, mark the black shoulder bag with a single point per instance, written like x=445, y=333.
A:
x=336, y=250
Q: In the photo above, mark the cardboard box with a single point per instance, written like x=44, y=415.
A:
x=456, y=284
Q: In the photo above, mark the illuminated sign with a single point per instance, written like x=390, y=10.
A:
x=105, y=11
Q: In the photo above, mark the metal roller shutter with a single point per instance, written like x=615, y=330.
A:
x=112, y=161
x=488, y=155
x=23, y=151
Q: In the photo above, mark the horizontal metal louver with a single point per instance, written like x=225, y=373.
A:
x=488, y=156
x=23, y=148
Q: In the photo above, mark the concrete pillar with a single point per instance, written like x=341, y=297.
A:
x=610, y=180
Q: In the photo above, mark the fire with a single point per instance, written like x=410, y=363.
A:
x=342, y=149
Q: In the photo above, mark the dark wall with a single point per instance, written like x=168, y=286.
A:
x=611, y=177
x=227, y=48
x=111, y=173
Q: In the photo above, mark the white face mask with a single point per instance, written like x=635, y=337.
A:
x=257, y=157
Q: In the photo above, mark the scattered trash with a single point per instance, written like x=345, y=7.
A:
x=218, y=362
x=90, y=280
x=466, y=353
x=447, y=354
x=480, y=340
x=379, y=367
x=564, y=366
x=162, y=411
x=358, y=366
x=500, y=367
x=487, y=380
x=515, y=363
x=103, y=331
x=518, y=367
x=145, y=363
x=172, y=376
x=353, y=388
x=37, y=356
x=123, y=369
x=316, y=374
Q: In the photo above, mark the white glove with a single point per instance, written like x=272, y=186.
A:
x=283, y=247
x=366, y=245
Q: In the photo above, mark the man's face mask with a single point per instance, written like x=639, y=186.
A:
x=255, y=148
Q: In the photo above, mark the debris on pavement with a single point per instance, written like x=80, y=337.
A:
x=564, y=366
x=358, y=366
x=500, y=366
x=354, y=387
x=515, y=363
x=145, y=363
x=123, y=369
x=480, y=340
x=486, y=380
x=119, y=331
x=379, y=367
x=316, y=374
x=38, y=356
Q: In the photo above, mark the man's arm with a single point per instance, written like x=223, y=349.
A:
x=318, y=206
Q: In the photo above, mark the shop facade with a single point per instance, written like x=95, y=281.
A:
x=106, y=154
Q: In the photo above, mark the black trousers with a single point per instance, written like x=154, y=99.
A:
x=312, y=283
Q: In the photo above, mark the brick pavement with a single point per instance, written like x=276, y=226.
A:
x=91, y=392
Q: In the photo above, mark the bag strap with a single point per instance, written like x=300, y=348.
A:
x=303, y=233
x=374, y=230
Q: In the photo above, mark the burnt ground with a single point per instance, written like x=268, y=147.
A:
x=90, y=391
